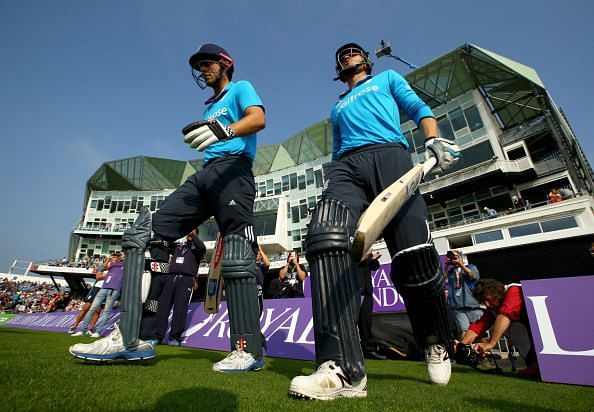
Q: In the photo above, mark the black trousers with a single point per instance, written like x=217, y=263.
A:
x=176, y=292
x=360, y=175
x=224, y=189
x=366, y=311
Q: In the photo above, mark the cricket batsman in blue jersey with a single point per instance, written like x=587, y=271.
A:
x=225, y=189
x=369, y=153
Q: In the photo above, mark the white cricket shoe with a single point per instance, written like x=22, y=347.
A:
x=438, y=364
x=95, y=335
x=77, y=334
x=238, y=361
x=111, y=348
x=327, y=383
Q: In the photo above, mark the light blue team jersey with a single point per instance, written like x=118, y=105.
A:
x=369, y=113
x=228, y=108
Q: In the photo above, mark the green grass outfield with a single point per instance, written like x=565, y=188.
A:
x=38, y=373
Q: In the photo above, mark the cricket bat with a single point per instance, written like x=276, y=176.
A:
x=385, y=206
x=214, y=283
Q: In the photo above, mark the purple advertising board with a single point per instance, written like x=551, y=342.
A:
x=562, y=325
x=287, y=325
x=385, y=296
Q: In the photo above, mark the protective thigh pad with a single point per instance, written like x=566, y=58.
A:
x=335, y=288
x=418, y=278
x=239, y=272
x=134, y=243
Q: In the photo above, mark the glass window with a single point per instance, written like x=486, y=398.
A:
x=309, y=175
x=311, y=201
x=285, y=183
x=419, y=139
x=269, y=184
x=559, y=224
x=100, y=204
x=134, y=203
x=488, y=236
x=153, y=204
x=457, y=118
x=473, y=118
x=293, y=180
x=94, y=204
x=303, y=211
x=524, y=230
x=107, y=202
x=301, y=182
x=120, y=205
x=126, y=206
x=277, y=188
x=295, y=214
x=319, y=178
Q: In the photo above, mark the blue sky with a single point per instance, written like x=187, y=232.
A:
x=84, y=82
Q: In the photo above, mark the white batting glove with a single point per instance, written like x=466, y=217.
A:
x=445, y=151
x=199, y=135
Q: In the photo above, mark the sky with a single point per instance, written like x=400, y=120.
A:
x=85, y=82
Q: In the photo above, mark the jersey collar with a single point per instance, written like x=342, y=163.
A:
x=360, y=82
x=223, y=92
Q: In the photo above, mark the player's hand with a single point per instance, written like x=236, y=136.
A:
x=445, y=151
x=200, y=135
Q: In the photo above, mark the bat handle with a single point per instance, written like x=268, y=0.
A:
x=428, y=165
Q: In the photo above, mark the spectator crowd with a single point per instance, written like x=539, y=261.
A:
x=29, y=297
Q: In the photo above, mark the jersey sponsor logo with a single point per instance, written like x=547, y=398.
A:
x=354, y=96
x=221, y=112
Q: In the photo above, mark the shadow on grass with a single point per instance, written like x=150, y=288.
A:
x=392, y=377
x=289, y=368
x=194, y=399
x=505, y=405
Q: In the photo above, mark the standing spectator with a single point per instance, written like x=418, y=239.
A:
x=369, y=263
x=99, y=277
x=462, y=278
x=262, y=266
x=289, y=283
x=177, y=291
x=108, y=294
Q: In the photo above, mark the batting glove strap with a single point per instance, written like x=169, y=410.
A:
x=445, y=151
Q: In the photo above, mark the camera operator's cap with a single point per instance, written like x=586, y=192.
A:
x=210, y=51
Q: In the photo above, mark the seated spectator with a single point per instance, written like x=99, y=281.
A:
x=518, y=202
x=506, y=313
x=491, y=213
x=289, y=283
x=59, y=302
x=566, y=193
x=554, y=196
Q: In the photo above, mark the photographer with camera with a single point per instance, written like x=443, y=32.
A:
x=289, y=283
x=506, y=312
x=461, y=281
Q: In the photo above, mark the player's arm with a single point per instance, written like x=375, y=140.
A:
x=252, y=122
x=301, y=275
x=199, y=135
x=265, y=258
x=502, y=322
x=283, y=272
